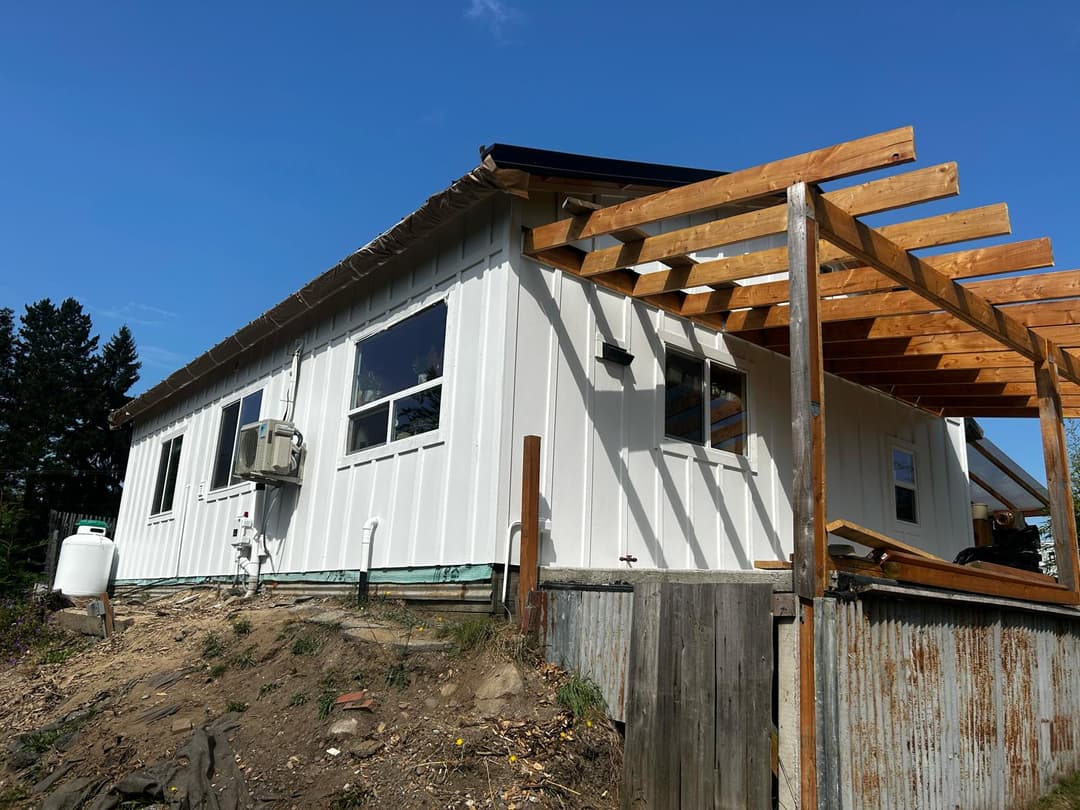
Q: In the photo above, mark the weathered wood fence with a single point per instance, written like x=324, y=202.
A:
x=699, y=701
x=62, y=524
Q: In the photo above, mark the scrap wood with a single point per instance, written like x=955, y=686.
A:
x=875, y=540
x=961, y=578
x=856, y=565
x=1010, y=575
x=1008, y=570
x=773, y=565
x=356, y=700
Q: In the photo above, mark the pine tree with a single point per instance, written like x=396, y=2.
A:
x=116, y=372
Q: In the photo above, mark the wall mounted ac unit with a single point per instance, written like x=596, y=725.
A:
x=270, y=450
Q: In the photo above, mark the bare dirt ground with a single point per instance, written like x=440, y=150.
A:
x=457, y=713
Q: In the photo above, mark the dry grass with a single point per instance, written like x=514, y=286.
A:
x=1066, y=796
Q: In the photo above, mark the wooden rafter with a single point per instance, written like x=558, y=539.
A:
x=832, y=163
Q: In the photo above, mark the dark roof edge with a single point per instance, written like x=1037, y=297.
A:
x=463, y=193
x=571, y=166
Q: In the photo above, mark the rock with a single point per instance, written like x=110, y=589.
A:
x=431, y=702
x=490, y=708
x=344, y=728
x=446, y=690
x=362, y=749
x=504, y=681
x=181, y=725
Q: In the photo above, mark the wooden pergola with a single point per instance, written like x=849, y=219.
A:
x=947, y=333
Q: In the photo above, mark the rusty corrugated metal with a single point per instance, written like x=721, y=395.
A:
x=950, y=705
x=588, y=632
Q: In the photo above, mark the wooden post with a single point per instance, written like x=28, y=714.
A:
x=808, y=457
x=108, y=617
x=1062, y=516
x=528, y=570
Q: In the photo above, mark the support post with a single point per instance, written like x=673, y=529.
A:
x=1062, y=516
x=808, y=456
x=528, y=570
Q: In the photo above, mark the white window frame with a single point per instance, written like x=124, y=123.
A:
x=892, y=446
x=165, y=514
x=394, y=446
x=676, y=342
x=213, y=493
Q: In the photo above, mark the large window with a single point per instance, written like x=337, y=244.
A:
x=397, y=387
x=905, y=494
x=704, y=403
x=168, y=466
x=233, y=416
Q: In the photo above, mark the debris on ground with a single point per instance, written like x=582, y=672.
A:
x=207, y=701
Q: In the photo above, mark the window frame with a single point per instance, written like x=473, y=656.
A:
x=392, y=446
x=893, y=446
x=677, y=343
x=162, y=469
x=211, y=490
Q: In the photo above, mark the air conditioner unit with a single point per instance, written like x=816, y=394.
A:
x=269, y=450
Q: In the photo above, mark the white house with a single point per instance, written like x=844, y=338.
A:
x=413, y=369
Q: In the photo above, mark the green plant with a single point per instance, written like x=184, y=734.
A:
x=470, y=634
x=23, y=624
x=245, y=659
x=241, y=625
x=298, y=699
x=218, y=669
x=351, y=797
x=306, y=644
x=236, y=706
x=398, y=676
x=267, y=688
x=212, y=646
x=13, y=796
x=581, y=696
x=326, y=704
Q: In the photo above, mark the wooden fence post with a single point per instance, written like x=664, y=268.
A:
x=1062, y=516
x=528, y=566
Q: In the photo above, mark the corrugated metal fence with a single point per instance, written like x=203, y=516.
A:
x=944, y=704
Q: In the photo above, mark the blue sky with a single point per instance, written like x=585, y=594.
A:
x=183, y=167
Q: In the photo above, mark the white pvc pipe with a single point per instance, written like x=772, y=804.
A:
x=365, y=544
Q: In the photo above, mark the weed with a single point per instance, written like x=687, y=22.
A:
x=218, y=669
x=267, y=688
x=212, y=646
x=326, y=704
x=470, y=634
x=1063, y=797
x=298, y=699
x=14, y=796
x=392, y=610
x=23, y=624
x=236, y=706
x=306, y=644
x=581, y=696
x=351, y=798
x=241, y=625
x=60, y=654
x=245, y=659
x=43, y=740
x=398, y=676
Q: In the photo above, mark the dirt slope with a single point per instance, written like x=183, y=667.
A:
x=437, y=726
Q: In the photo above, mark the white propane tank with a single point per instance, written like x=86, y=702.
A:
x=86, y=559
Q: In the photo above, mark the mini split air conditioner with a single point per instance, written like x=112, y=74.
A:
x=270, y=450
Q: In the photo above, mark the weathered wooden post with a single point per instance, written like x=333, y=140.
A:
x=528, y=564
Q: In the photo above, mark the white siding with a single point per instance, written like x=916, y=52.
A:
x=613, y=485
x=433, y=494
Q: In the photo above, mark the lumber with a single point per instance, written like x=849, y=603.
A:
x=773, y=565
x=879, y=251
x=1010, y=258
x=832, y=163
x=528, y=570
x=944, y=229
x=932, y=362
x=873, y=197
x=1018, y=573
x=857, y=565
x=995, y=573
x=966, y=580
x=1052, y=409
x=876, y=540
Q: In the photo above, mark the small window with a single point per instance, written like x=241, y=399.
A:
x=397, y=387
x=690, y=383
x=168, y=466
x=233, y=417
x=904, y=485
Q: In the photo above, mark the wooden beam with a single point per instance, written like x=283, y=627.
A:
x=1013, y=257
x=1062, y=516
x=528, y=563
x=878, y=251
x=990, y=455
x=962, y=578
x=932, y=362
x=944, y=229
x=807, y=399
x=890, y=376
x=976, y=401
x=832, y=163
x=875, y=540
x=876, y=196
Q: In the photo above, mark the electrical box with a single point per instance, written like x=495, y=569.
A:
x=270, y=450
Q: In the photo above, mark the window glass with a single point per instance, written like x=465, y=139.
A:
x=905, y=504
x=903, y=464
x=405, y=355
x=684, y=401
x=168, y=467
x=904, y=486
x=727, y=409
x=233, y=416
x=368, y=428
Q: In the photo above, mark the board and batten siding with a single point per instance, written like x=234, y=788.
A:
x=433, y=494
x=612, y=485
